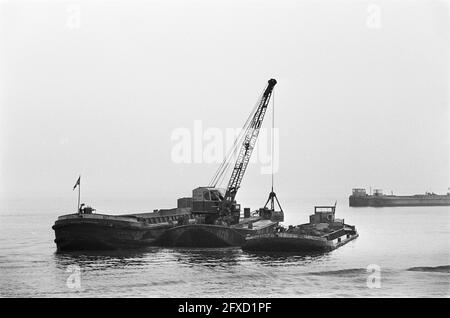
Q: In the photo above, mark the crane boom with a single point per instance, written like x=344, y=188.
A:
x=218, y=207
x=248, y=144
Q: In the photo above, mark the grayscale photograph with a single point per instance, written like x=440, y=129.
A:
x=224, y=149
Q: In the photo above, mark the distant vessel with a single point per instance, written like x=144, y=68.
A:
x=323, y=233
x=88, y=231
x=360, y=198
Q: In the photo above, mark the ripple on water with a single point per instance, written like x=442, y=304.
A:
x=432, y=269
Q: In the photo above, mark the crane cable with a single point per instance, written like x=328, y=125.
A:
x=273, y=129
x=242, y=136
x=232, y=153
x=244, y=132
x=223, y=168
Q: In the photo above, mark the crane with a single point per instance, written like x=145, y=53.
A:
x=227, y=207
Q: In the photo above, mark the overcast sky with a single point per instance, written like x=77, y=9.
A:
x=99, y=87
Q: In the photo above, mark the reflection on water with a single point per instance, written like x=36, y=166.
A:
x=208, y=257
x=102, y=259
x=288, y=258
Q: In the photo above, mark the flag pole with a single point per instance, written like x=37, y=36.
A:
x=79, y=192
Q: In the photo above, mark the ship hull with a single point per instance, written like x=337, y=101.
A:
x=208, y=235
x=103, y=236
x=393, y=201
x=201, y=235
x=78, y=232
x=294, y=243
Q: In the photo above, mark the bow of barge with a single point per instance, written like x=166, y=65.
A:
x=88, y=231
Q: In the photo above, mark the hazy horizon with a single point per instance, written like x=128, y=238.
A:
x=97, y=88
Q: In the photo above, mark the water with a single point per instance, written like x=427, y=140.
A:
x=409, y=245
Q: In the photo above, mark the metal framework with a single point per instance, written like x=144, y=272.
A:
x=248, y=144
x=245, y=143
x=251, y=135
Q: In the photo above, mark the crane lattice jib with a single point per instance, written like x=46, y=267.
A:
x=251, y=135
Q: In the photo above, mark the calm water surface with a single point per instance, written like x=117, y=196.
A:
x=411, y=246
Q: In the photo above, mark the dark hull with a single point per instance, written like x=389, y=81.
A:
x=274, y=243
x=207, y=235
x=201, y=235
x=393, y=201
x=109, y=233
x=99, y=237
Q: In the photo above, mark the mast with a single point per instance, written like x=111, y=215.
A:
x=79, y=192
x=78, y=184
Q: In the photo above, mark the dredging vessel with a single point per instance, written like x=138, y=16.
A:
x=210, y=218
x=217, y=215
x=323, y=233
x=360, y=198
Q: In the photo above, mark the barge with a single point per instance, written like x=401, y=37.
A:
x=217, y=215
x=210, y=218
x=323, y=233
x=360, y=198
x=86, y=230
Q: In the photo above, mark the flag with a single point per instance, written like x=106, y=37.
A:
x=77, y=183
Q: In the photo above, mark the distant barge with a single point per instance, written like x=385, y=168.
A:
x=323, y=233
x=360, y=198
